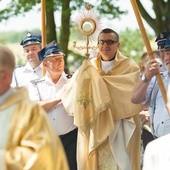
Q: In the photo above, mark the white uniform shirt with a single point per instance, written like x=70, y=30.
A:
x=160, y=118
x=45, y=89
x=24, y=75
x=157, y=154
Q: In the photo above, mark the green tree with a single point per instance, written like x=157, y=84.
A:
x=159, y=21
x=132, y=44
x=65, y=26
x=50, y=21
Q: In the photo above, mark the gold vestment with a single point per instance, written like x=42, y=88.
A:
x=32, y=143
x=96, y=100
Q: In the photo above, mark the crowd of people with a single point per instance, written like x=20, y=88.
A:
x=92, y=120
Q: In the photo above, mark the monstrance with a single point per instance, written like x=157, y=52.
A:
x=88, y=24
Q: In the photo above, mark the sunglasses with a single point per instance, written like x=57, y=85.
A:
x=108, y=42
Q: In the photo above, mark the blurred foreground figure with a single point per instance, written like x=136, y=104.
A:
x=27, y=140
x=157, y=154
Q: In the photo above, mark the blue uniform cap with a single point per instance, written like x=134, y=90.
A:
x=167, y=44
x=161, y=39
x=52, y=49
x=30, y=39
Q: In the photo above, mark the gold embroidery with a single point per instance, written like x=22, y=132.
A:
x=106, y=160
x=84, y=100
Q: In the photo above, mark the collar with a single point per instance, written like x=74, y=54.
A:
x=108, y=60
x=28, y=68
x=107, y=65
x=63, y=76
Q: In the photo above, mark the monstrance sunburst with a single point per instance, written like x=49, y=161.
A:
x=89, y=25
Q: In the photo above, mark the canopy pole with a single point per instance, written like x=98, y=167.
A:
x=43, y=29
x=43, y=23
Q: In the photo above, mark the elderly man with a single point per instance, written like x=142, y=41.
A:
x=32, y=70
x=46, y=92
x=27, y=140
x=157, y=153
x=147, y=90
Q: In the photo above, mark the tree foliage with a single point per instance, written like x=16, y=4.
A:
x=159, y=21
x=17, y=7
x=132, y=44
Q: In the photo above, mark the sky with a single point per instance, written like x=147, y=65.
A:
x=32, y=19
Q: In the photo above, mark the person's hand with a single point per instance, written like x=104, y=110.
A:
x=144, y=115
x=152, y=68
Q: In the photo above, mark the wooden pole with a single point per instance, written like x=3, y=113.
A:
x=43, y=29
x=149, y=49
x=43, y=23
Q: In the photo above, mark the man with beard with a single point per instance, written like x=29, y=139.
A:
x=147, y=90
